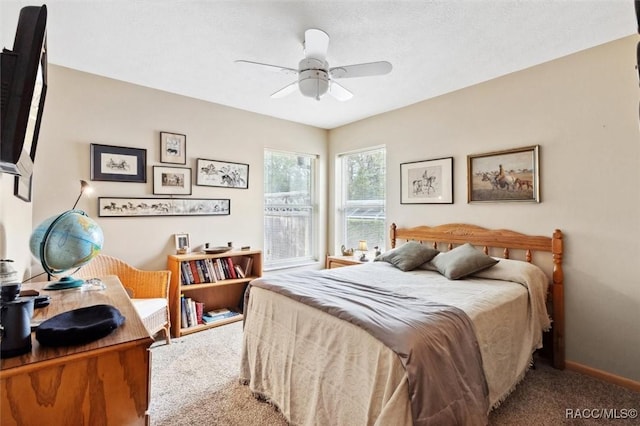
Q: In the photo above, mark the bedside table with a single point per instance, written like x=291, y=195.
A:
x=339, y=261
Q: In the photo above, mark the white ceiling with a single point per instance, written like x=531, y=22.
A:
x=189, y=47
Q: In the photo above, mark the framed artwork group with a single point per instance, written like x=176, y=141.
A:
x=127, y=164
x=511, y=175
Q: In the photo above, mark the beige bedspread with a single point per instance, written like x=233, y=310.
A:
x=321, y=370
x=422, y=334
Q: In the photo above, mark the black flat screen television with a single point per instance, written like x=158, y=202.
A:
x=24, y=87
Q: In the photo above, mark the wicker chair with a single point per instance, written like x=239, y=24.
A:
x=149, y=290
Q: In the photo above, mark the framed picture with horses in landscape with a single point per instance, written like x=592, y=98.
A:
x=504, y=176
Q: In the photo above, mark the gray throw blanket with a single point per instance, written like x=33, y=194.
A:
x=436, y=343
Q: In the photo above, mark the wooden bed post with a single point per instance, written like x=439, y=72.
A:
x=393, y=235
x=558, y=300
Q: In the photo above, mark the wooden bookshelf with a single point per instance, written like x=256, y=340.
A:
x=218, y=293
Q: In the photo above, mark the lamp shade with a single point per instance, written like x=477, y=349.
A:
x=362, y=245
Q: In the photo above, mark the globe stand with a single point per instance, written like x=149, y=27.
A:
x=64, y=283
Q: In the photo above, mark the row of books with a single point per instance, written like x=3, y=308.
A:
x=211, y=270
x=192, y=313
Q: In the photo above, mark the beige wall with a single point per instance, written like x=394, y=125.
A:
x=83, y=108
x=583, y=112
x=15, y=224
x=581, y=109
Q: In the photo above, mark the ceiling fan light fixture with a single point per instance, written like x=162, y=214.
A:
x=313, y=83
x=315, y=77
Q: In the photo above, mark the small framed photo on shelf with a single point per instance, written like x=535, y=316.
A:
x=182, y=243
x=118, y=163
x=173, y=148
x=222, y=173
x=171, y=180
x=427, y=182
x=504, y=176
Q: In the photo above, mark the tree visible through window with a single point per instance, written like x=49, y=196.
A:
x=289, y=214
x=363, y=201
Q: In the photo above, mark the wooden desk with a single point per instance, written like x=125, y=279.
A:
x=105, y=382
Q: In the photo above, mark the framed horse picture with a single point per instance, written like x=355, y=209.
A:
x=504, y=176
x=118, y=163
x=222, y=173
x=427, y=182
x=173, y=148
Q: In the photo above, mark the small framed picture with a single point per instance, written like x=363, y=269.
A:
x=222, y=173
x=171, y=180
x=427, y=182
x=173, y=148
x=182, y=241
x=504, y=176
x=118, y=163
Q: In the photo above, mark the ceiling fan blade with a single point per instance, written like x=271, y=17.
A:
x=361, y=70
x=316, y=44
x=286, y=90
x=272, y=68
x=339, y=92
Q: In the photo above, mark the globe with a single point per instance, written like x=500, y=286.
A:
x=66, y=242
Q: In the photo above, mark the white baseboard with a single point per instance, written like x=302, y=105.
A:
x=603, y=375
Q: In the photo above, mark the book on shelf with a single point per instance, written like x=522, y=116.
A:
x=218, y=314
x=200, y=271
x=232, y=271
x=187, y=278
x=225, y=268
x=199, y=312
x=194, y=272
x=239, y=271
x=183, y=312
x=203, y=267
x=219, y=268
x=246, y=265
x=193, y=320
x=212, y=275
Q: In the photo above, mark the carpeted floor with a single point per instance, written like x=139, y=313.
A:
x=195, y=381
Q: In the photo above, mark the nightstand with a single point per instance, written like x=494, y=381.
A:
x=339, y=261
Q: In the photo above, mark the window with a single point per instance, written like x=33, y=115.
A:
x=362, y=198
x=289, y=209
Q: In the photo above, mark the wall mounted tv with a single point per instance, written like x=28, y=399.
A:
x=24, y=86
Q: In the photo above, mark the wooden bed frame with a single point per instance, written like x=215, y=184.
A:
x=459, y=233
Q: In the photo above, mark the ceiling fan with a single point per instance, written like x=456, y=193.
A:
x=315, y=78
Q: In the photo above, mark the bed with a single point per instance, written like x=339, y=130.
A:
x=319, y=347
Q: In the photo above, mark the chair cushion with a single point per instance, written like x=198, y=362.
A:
x=147, y=307
x=79, y=326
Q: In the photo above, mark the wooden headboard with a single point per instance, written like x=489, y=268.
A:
x=459, y=233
